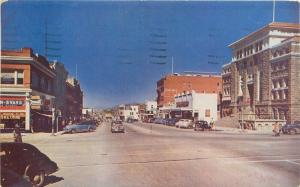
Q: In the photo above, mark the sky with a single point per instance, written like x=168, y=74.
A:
x=122, y=48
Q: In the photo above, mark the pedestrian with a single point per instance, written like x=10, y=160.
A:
x=212, y=123
x=17, y=133
x=276, y=129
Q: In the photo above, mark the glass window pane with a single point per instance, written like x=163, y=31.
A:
x=7, y=77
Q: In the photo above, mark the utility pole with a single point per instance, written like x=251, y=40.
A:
x=53, y=121
x=76, y=72
x=274, y=6
x=172, y=65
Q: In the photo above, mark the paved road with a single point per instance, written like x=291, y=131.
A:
x=167, y=156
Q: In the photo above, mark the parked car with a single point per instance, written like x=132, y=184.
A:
x=163, y=121
x=151, y=120
x=13, y=179
x=80, y=127
x=129, y=120
x=291, y=128
x=26, y=160
x=117, y=126
x=185, y=123
x=157, y=120
x=171, y=121
x=202, y=125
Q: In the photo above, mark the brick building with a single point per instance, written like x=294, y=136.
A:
x=26, y=94
x=262, y=80
x=173, y=84
x=74, y=100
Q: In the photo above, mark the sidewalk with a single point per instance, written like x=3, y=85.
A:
x=28, y=137
x=230, y=130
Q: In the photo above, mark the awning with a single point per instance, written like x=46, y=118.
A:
x=45, y=115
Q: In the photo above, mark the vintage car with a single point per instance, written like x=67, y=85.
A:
x=291, y=128
x=26, y=160
x=184, y=123
x=13, y=179
x=202, y=125
x=117, y=126
x=80, y=127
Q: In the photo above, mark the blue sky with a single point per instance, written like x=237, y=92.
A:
x=122, y=48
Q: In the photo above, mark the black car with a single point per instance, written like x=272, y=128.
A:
x=26, y=160
x=12, y=179
x=202, y=125
x=117, y=126
x=291, y=128
x=171, y=121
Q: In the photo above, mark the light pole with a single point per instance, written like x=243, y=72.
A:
x=53, y=121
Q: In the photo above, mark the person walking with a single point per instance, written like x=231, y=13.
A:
x=17, y=134
x=276, y=129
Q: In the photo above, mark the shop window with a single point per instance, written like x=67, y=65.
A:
x=7, y=77
x=20, y=77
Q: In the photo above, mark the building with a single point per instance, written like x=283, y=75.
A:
x=74, y=100
x=195, y=106
x=87, y=112
x=226, y=109
x=128, y=111
x=27, y=95
x=148, y=110
x=264, y=75
x=173, y=84
x=60, y=91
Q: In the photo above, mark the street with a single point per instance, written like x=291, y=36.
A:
x=157, y=155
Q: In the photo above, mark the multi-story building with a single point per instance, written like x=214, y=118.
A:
x=225, y=98
x=173, y=84
x=59, y=87
x=148, y=110
x=74, y=100
x=265, y=75
x=128, y=111
x=196, y=106
x=27, y=96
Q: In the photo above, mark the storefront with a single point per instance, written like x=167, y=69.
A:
x=196, y=106
x=41, y=111
x=13, y=111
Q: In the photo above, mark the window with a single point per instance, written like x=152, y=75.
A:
x=7, y=77
x=20, y=77
x=207, y=113
x=34, y=79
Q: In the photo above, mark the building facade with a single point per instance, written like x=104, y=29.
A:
x=225, y=107
x=128, y=111
x=264, y=75
x=173, y=84
x=59, y=87
x=27, y=95
x=74, y=100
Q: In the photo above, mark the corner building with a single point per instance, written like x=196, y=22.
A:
x=174, y=84
x=263, y=78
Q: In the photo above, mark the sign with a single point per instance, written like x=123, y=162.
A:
x=12, y=115
x=12, y=103
x=182, y=104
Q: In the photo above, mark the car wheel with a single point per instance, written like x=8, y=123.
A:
x=293, y=131
x=38, y=179
x=90, y=130
x=73, y=131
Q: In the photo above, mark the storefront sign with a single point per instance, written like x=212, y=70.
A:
x=12, y=103
x=36, y=102
x=12, y=115
x=182, y=104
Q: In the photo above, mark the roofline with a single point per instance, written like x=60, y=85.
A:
x=269, y=26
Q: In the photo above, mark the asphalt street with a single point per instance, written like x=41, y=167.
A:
x=156, y=155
